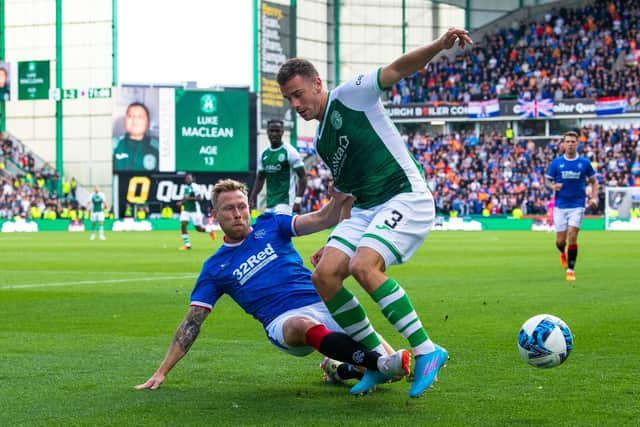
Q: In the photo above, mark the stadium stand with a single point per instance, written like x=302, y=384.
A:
x=591, y=51
x=28, y=185
x=587, y=52
x=469, y=173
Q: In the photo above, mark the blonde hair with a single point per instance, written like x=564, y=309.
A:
x=225, y=186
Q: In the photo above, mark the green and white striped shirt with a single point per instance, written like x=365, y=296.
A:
x=363, y=148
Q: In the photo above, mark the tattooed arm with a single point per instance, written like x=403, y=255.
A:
x=185, y=337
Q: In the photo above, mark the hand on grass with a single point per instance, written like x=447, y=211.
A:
x=152, y=383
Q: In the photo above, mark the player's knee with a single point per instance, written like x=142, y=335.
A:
x=320, y=276
x=361, y=269
x=295, y=329
x=326, y=281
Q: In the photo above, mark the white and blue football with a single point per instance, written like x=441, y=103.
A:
x=545, y=341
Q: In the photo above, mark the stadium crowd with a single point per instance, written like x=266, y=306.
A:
x=32, y=191
x=469, y=174
x=33, y=196
x=29, y=188
x=473, y=174
x=587, y=52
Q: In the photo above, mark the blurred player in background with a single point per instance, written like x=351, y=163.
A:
x=278, y=166
x=567, y=176
x=97, y=206
x=260, y=269
x=191, y=213
x=393, y=208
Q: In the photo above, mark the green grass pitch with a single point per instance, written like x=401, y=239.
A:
x=82, y=322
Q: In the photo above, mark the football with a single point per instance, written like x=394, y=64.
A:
x=545, y=341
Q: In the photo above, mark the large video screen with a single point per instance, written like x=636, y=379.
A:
x=169, y=130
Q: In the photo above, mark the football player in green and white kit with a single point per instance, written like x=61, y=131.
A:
x=191, y=213
x=393, y=208
x=97, y=205
x=279, y=165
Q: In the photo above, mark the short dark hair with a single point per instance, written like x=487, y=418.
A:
x=141, y=105
x=274, y=121
x=296, y=67
x=572, y=133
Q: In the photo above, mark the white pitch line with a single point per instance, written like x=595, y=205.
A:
x=5, y=270
x=96, y=282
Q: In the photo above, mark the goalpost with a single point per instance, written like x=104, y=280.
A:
x=622, y=208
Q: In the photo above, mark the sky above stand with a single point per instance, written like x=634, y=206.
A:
x=206, y=41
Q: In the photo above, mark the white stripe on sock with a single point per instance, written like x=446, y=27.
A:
x=400, y=324
x=365, y=333
x=424, y=348
x=352, y=329
x=411, y=329
x=349, y=305
x=391, y=298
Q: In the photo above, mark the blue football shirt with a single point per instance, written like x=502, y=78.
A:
x=573, y=174
x=264, y=273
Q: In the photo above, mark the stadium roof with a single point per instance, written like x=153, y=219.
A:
x=494, y=5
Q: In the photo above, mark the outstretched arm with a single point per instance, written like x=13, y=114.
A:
x=326, y=217
x=256, y=189
x=345, y=213
x=413, y=61
x=185, y=337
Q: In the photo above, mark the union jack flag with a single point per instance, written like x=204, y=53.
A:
x=535, y=108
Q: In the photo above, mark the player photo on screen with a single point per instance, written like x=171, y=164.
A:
x=135, y=130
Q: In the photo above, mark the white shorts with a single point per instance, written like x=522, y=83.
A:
x=317, y=312
x=562, y=218
x=97, y=216
x=194, y=217
x=395, y=229
x=281, y=208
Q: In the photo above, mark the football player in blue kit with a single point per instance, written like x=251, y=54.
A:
x=259, y=268
x=567, y=176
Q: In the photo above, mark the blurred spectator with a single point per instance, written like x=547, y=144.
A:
x=73, y=185
x=473, y=174
x=570, y=53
